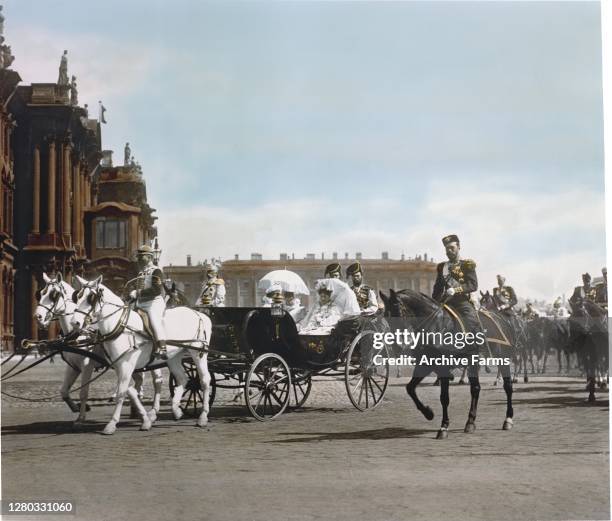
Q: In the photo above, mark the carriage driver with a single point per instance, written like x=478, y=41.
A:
x=333, y=271
x=505, y=297
x=455, y=281
x=148, y=297
x=366, y=297
x=213, y=287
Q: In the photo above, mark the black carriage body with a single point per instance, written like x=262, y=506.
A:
x=246, y=333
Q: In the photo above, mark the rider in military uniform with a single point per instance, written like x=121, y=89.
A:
x=601, y=290
x=213, y=287
x=333, y=271
x=366, y=297
x=505, y=297
x=148, y=297
x=529, y=313
x=455, y=281
x=582, y=293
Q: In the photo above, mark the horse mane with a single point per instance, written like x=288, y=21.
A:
x=418, y=302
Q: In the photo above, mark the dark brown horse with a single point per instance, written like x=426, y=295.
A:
x=418, y=312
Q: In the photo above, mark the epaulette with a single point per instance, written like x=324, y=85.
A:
x=218, y=282
x=469, y=264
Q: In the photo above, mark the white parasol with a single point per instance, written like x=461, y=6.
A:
x=287, y=280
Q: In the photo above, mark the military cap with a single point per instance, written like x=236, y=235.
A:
x=145, y=249
x=586, y=276
x=354, y=268
x=450, y=238
x=332, y=268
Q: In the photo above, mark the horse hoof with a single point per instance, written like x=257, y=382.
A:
x=461, y=382
x=591, y=398
x=508, y=424
x=109, y=429
x=442, y=434
x=146, y=424
x=178, y=414
x=470, y=427
x=428, y=413
x=152, y=415
x=202, y=423
x=526, y=379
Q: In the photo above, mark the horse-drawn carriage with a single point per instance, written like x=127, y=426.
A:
x=260, y=352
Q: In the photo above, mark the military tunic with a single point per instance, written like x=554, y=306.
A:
x=505, y=299
x=149, y=298
x=366, y=297
x=461, y=276
x=213, y=293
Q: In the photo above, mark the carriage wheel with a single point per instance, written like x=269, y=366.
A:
x=301, y=384
x=267, y=387
x=365, y=382
x=193, y=397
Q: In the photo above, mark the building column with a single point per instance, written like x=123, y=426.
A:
x=75, y=205
x=67, y=167
x=51, y=190
x=33, y=304
x=36, y=192
x=82, y=204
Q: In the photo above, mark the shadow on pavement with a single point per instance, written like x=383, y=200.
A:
x=52, y=427
x=558, y=402
x=372, y=434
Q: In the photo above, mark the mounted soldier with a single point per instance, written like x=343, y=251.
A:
x=333, y=271
x=455, y=281
x=213, y=287
x=582, y=293
x=505, y=297
x=366, y=297
x=529, y=313
x=148, y=297
x=601, y=290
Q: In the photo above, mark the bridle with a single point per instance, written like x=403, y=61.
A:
x=54, y=295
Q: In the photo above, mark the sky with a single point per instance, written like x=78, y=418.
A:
x=320, y=127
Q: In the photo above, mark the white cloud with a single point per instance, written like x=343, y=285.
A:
x=491, y=226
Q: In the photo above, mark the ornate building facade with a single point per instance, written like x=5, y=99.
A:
x=8, y=251
x=241, y=276
x=119, y=223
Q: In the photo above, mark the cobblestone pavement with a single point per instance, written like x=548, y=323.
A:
x=328, y=461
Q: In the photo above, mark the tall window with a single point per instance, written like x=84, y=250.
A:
x=110, y=233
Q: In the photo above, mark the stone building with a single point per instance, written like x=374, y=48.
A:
x=8, y=251
x=119, y=223
x=56, y=150
x=241, y=276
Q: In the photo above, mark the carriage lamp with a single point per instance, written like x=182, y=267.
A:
x=156, y=251
x=277, y=308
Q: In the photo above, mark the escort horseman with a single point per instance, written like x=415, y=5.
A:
x=148, y=297
x=455, y=280
x=505, y=297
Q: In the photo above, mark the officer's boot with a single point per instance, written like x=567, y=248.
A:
x=161, y=349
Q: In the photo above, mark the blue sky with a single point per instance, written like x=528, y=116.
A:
x=341, y=126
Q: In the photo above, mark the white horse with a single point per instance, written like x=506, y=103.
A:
x=130, y=347
x=56, y=303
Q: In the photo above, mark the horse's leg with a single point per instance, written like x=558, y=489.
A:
x=70, y=375
x=158, y=380
x=444, y=400
x=137, y=404
x=497, y=378
x=508, y=422
x=124, y=376
x=560, y=359
x=470, y=425
x=176, y=368
x=525, y=377
x=86, y=373
x=138, y=385
x=544, y=362
x=411, y=390
x=202, y=367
